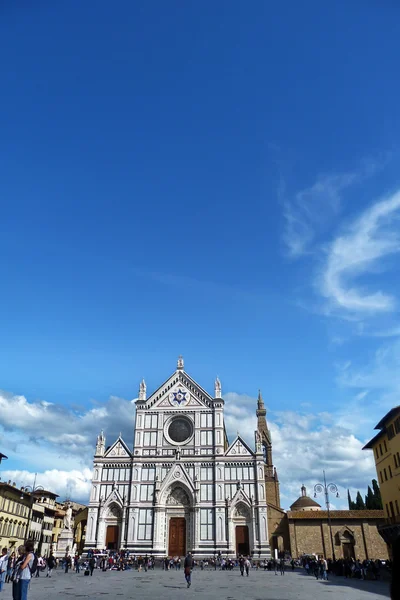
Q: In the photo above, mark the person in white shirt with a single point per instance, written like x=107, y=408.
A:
x=3, y=566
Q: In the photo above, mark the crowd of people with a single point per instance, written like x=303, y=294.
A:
x=348, y=568
x=17, y=567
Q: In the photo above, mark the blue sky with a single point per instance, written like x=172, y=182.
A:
x=217, y=180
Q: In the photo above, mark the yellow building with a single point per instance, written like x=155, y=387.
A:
x=386, y=448
x=14, y=515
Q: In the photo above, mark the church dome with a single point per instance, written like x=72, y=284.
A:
x=304, y=502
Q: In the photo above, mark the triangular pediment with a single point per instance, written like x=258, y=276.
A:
x=239, y=448
x=114, y=497
x=180, y=391
x=118, y=450
x=176, y=477
x=240, y=496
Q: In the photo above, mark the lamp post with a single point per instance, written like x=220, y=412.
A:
x=325, y=488
x=29, y=489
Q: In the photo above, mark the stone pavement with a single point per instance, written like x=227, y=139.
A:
x=206, y=585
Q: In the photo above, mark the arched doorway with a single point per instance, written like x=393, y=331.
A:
x=241, y=522
x=345, y=538
x=112, y=519
x=178, y=519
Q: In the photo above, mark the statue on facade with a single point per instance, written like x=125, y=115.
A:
x=258, y=442
x=178, y=453
x=68, y=517
x=180, y=364
x=142, y=390
x=217, y=389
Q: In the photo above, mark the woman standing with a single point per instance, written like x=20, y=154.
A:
x=25, y=571
x=10, y=567
x=15, y=574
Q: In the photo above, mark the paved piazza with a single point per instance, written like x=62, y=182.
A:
x=207, y=585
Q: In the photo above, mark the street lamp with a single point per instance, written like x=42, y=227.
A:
x=29, y=489
x=325, y=489
x=2, y=457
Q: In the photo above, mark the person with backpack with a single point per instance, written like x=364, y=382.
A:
x=27, y=569
x=16, y=592
x=51, y=563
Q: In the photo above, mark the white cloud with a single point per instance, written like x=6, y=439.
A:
x=311, y=211
x=304, y=444
x=66, y=483
x=371, y=238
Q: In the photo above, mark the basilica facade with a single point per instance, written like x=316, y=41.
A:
x=183, y=487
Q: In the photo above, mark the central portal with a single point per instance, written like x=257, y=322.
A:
x=112, y=537
x=242, y=540
x=177, y=536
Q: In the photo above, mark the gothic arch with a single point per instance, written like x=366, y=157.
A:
x=176, y=485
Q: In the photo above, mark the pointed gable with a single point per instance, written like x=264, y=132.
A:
x=179, y=391
x=118, y=450
x=113, y=497
x=176, y=476
x=239, y=448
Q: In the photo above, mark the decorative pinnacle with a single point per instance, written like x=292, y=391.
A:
x=180, y=364
x=261, y=412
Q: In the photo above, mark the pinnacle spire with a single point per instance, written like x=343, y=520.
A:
x=261, y=412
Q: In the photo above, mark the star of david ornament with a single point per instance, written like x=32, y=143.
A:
x=179, y=398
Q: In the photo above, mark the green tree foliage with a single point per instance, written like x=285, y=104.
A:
x=373, y=500
x=377, y=495
x=369, y=499
x=360, y=505
x=352, y=505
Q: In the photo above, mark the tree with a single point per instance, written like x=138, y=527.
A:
x=370, y=499
x=349, y=500
x=377, y=495
x=352, y=505
x=359, y=502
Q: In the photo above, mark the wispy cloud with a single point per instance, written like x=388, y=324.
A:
x=311, y=211
x=370, y=239
x=381, y=373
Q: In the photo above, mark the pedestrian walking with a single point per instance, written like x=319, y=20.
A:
x=76, y=564
x=241, y=565
x=51, y=563
x=188, y=565
x=40, y=565
x=247, y=566
x=92, y=563
x=282, y=566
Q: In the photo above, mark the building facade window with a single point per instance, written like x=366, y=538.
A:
x=206, y=524
x=145, y=523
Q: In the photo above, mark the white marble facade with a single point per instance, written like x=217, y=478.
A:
x=183, y=487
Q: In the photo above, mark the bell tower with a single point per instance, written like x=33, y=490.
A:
x=271, y=475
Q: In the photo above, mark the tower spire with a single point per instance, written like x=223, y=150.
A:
x=264, y=443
